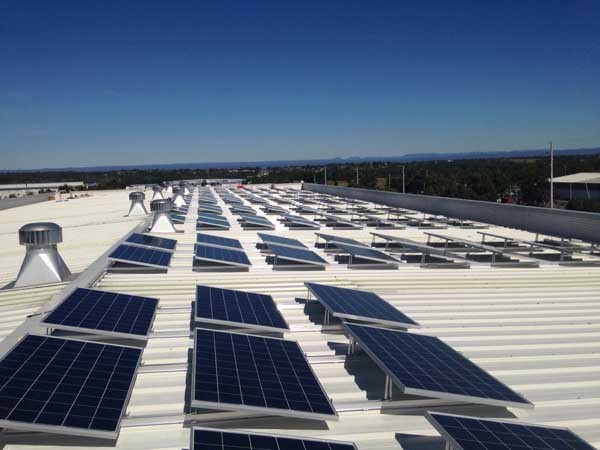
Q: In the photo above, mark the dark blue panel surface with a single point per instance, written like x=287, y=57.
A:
x=209, y=439
x=238, y=371
x=222, y=255
x=152, y=241
x=257, y=220
x=144, y=256
x=296, y=254
x=357, y=304
x=218, y=240
x=105, y=311
x=238, y=306
x=281, y=240
x=53, y=382
x=425, y=363
x=471, y=433
x=296, y=220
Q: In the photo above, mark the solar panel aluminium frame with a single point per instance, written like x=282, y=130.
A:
x=456, y=446
x=435, y=394
x=220, y=261
x=96, y=332
x=258, y=409
x=73, y=431
x=150, y=247
x=139, y=264
x=371, y=320
x=272, y=435
x=240, y=325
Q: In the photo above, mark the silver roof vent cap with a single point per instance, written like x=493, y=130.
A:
x=137, y=207
x=42, y=263
x=158, y=195
x=162, y=222
x=178, y=199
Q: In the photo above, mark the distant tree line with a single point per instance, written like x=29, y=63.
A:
x=519, y=180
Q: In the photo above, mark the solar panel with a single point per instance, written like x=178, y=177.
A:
x=296, y=254
x=218, y=241
x=287, y=242
x=252, y=373
x=65, y=386
x=426, y=366
x=359, y=305
x=367, y=253
x=212, y=218
x=209, y=208
x=471, y=433
x=341, y=240
x=145, y=240
x=301, y=221
x=222, y=255
x=105, y=313
x=226, y=306
x=257, y=220
x=212, y=439
x=141, y=256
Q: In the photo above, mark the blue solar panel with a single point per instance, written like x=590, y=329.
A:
x=146, y=240
x=281, y=240
x=143, y=256
x=359, y=305
x=213, y=219
x=104, y=313
x=426, y=366
x=257, y=220
x=337, y=239
x=65, y=386
x=218, y=241
x=211, y=439
x=471, y=433
x=227, y=306
x=296, y=254
x=366, y=253
x=222, y=255
x=300, y=221
x=244, y=372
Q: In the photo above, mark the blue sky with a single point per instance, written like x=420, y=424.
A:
x=89, y=83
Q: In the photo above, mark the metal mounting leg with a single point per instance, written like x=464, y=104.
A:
x=387, y=390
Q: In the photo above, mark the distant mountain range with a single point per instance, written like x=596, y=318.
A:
x=321, y=162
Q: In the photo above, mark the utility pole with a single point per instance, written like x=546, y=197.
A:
x=551, y=176
x=389, y=181
x=325, y=175
x=403, y=185
x=357, y=176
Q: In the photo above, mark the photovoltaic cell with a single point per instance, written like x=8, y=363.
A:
x=425, y=365
x=218, y=241
x=222, y=255
x=66, y=386
x=105, y=313
x=359, y=305
x=296, y=254
x=245, y=372
x=226, y=306
x=211, y=439
x=471, y=433
x=145, y=240
x=141, y=256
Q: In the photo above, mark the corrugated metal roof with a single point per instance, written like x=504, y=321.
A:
x=537, y=329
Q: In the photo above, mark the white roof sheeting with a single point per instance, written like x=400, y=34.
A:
x=582, y=177
x=537, y=329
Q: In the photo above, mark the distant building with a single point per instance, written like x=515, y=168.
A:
x=579, y=186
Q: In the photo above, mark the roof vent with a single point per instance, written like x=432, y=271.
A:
x=157, y=193
x=169, y=189
x=178, y=199
x=186, y=188
x=162, y=222
x=137, y=204
x=42, y=263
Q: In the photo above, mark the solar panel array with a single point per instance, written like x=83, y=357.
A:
x=104, y=313
x=245, y=372
x=210, y=439
x=228, y=306
x=66, y=386
x=425, y=365
x=218, y=241
x=141, y=256
x=146, y=240
x=222, y=255
x=470, y=433
x=359, y=305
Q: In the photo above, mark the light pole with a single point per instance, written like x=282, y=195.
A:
x=551, y=176
x=403, y=185
x=325, y=175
